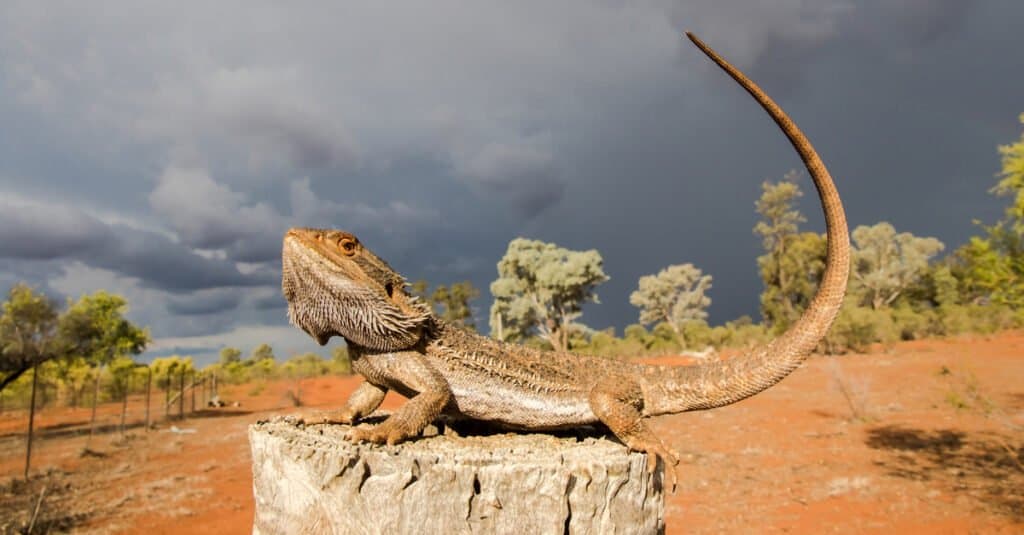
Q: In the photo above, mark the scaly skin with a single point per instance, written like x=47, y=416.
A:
x=336, y=286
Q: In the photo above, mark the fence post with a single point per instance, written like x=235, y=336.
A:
x=167, y=394
x=149, y=388
x=193, y=387
x=181, y=394
x=31, y=418
x=124, y=402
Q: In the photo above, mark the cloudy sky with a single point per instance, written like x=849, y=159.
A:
x=160, y=149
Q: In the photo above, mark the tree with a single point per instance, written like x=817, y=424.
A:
x=676, y=296
x=29, y=335
x=886, y=263
x=454, y=303
x=96, y=328
x=262, y=352
x=229, y=355
x=787, y=263
x=991, y=267
x=341, y=360
x=804, y=261
x=450, y=303
x=29, y=332
x=541, y=288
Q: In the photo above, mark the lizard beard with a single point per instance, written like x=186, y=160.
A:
x=324, y=302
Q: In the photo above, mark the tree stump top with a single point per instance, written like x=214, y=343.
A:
x=310, y=479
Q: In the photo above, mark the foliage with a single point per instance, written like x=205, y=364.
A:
x=342, y=362
x=885, y=263
x=1012, y=182
x=305, y=365
x=793, y=263
x=229, y=355
x=991, y=267
x=791, y=280
x=856, y=327
x=541, y=289
x=124, y=373
x=28, y=332
x=454, y=301
x=675, y=295
x=450, y=303
x=262, y=352
x=98, y=331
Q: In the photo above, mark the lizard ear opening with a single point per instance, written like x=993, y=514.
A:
x=390, y=289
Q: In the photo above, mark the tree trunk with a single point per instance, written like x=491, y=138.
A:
x=309, y=479
x=31, y=418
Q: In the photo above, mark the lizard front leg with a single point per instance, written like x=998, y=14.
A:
x=617, y=404
x=363, y=401
x=433, y=393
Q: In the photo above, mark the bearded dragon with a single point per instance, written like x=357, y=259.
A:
x=335, y=286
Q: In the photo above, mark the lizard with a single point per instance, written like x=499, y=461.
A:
x=336, y=286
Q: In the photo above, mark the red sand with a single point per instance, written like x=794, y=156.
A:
x=894, y=454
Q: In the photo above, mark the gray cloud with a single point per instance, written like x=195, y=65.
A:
x=37, y=232
x=33, y=231
x=176, y=162
x=205, y=302
x=206, y=214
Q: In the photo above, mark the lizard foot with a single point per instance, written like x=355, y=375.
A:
x=390, y=432
x=655, y=450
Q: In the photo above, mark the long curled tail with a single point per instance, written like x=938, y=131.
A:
x=720, y=383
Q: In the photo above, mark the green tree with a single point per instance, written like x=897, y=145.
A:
x=991, y=267
x=97, y=329
x=341, y=360
x=793, y=262
x=541, y=288
x=450, y=303
x=262, y=352
x=675, y=295
x=229, y=355
x=454, y=301
x=886, y=263
x=29, y=332
x=804, y=261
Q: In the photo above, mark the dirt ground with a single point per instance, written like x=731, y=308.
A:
x=920, y=437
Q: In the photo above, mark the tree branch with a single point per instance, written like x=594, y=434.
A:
x=13, y=376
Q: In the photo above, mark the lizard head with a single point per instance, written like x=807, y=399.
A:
x=336, y=286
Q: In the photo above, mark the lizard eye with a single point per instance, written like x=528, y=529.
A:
x=347, y=245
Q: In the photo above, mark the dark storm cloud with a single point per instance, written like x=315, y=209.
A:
x=523, y=173
x=160, y=263
x=590, y=124
x=33, y=231
x=274, y=301
x=201, y=303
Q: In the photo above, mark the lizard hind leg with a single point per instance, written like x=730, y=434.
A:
x=617, y=405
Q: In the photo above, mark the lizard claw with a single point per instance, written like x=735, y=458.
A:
x=388, y=432
x=669, y=457
x=671, y=460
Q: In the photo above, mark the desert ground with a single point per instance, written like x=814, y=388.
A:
x=918, y=437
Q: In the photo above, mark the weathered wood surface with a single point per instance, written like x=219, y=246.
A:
x=308, y=479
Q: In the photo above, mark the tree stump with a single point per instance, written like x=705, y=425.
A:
x=309, y=479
